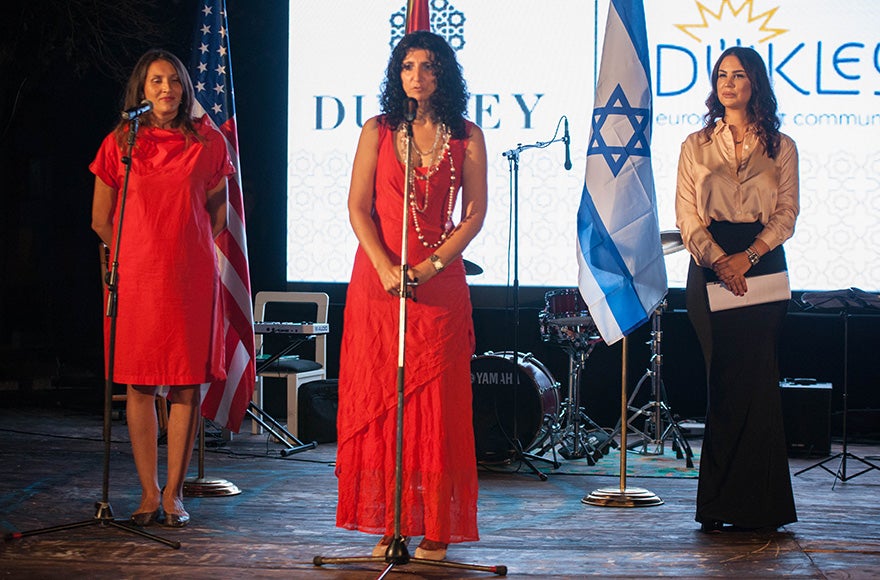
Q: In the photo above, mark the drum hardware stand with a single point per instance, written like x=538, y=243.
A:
x=397, y=552
x=512, y=157
x=844, y=454
x=104, y=513
x=659, y=422
x=569, y=431
x=576, y=421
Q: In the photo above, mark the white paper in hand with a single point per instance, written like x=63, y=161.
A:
x=762, y=289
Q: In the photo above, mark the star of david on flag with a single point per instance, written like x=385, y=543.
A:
x=637, y=145
x=225, y=402
x=621, y=270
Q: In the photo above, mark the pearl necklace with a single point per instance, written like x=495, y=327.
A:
x=416, y=209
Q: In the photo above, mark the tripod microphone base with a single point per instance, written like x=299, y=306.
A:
x=498, y=570
x=209, y=487
x=616, y=497
x=397, y=553
x=103, y=511
x=103, y=517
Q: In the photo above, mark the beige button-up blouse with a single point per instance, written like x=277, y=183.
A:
x=712, y=186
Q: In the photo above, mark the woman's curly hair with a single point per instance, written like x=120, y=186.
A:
x=762, y=105
x=449, y=101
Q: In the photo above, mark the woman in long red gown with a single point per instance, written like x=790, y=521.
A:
x=169, y=320
x=439, y=484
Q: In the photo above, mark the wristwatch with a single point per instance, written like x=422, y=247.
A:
x=753, y=256
x=437, y=262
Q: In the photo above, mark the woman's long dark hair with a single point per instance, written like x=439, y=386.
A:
x=762, y=105
x=134, y=94
x=449, y=101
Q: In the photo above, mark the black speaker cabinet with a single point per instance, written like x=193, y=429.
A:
x=316, y=412
x=806, y=411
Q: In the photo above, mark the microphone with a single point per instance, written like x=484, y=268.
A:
x=567, y=140
x=410, y=106
x=135, y=112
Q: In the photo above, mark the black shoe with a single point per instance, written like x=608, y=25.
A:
x=175, y=520
x=747, y=530
x=145, y=519
x=712, y=527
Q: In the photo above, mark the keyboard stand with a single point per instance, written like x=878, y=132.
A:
x=268, y=422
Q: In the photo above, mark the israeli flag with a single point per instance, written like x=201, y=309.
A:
x=621, y=271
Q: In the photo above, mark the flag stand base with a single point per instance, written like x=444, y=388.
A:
x=628, y=498
x=204, y=487
x=623, y=496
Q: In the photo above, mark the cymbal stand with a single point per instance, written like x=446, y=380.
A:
x=659, y=422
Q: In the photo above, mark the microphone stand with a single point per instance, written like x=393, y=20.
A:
x=104, y=513
x=397, y=553
x=512, y=157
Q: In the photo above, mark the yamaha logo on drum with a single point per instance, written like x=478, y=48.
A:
x=491, y=378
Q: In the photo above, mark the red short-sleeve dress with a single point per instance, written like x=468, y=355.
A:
x=169, y=318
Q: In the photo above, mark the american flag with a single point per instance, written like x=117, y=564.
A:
x=418, y=15
x=225, y=402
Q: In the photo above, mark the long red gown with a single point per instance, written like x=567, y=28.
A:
x=169, y=318
x=440, y=486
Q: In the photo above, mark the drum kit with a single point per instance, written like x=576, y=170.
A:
x=566, y=322
x=526, y=407
x=510, y=407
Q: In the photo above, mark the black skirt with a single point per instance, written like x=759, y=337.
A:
x=744, y=473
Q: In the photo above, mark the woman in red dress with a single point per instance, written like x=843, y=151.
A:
x=439, y=484
x=169, y=318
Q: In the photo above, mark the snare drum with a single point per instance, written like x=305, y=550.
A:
x=566, y=320
x=503, y=411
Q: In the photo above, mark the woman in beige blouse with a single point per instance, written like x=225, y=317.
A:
x=736, y=203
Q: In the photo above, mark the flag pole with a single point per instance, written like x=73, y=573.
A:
x=225, y=402
x=622, y=497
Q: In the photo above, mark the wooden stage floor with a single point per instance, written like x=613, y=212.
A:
x=52, y=465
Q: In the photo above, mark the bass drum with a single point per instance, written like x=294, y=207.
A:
x=504, y=411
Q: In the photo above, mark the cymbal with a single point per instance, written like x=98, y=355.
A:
x=671, y=241
x=471, y=269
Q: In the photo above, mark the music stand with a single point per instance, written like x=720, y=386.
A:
x=103, y=511
x=847, y=301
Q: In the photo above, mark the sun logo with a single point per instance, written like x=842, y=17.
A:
x=737, y=21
